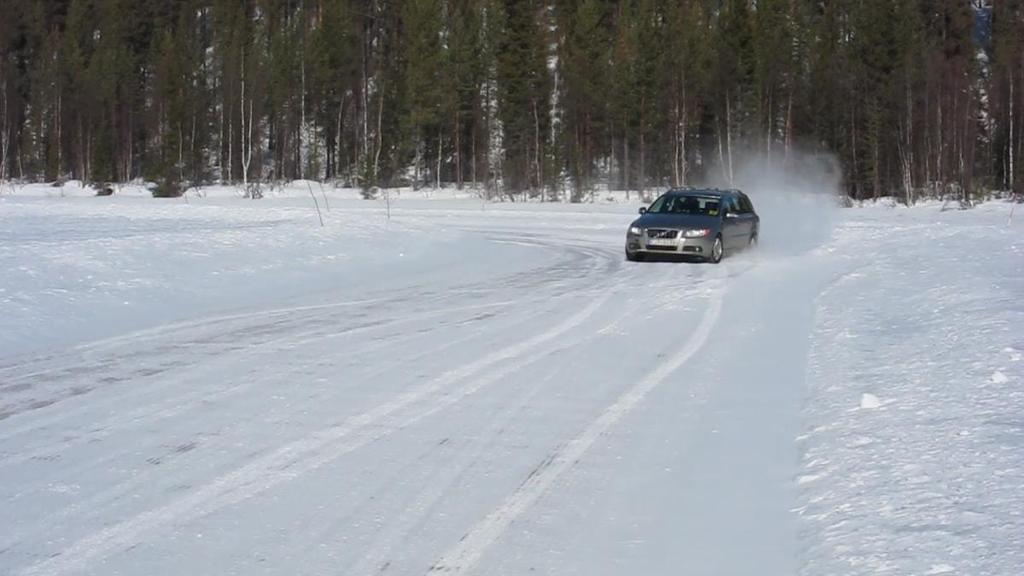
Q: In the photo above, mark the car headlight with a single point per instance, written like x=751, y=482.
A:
x=696, y=233
x=635, y=230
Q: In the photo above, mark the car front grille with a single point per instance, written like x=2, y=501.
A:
x=661, y=233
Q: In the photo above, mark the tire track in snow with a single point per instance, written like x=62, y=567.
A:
x=172, y=375
x=300, y=456
x=115, y=492
x=306, y=318
x=378, y=555
x=464, y=556
x=46, y=363
x=175, y=404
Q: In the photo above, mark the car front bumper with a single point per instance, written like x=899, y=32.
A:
x=695, y=247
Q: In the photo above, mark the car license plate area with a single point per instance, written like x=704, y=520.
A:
x=661, y=242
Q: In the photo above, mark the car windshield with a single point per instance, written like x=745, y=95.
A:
x=686, y=204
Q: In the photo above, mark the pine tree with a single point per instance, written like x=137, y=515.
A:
x=467, y=68
x=584, y=66
x=429, y=86
x=774, y=68
x=333, y=79
x=686, y=70
x=523, y=89
x=650, y=43
x=625, y=94
x=1007, y=94
x=733, y=82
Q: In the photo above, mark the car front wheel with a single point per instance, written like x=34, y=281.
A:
x=717, y=251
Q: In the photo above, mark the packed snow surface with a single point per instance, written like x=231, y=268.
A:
x=212, y=385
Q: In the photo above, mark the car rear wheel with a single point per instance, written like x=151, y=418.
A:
x=717, y=251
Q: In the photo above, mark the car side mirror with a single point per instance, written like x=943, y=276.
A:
x=643, y=210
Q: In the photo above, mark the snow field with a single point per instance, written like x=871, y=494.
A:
x=223, y=386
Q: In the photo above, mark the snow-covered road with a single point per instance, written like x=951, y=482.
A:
x=226, y=388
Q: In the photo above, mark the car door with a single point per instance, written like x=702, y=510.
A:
x=733, y=223
x=749, y=215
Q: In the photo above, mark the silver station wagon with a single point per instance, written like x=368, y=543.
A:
x=699, y=223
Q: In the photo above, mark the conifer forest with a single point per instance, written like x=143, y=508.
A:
x=549, y=99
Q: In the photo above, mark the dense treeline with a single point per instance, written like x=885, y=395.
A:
x=552, y=98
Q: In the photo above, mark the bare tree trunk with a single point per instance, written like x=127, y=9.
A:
x=440, y=149
x=536, y=145
x=5, y=136
x=928, y=145
x=577, y=151
x=60, y=146
x=588, y=153
x=770, y=120
x=337, y=138
x=679, y=157
x=457, y=143
x=957, y=152
x=302, y=112
x=683, y=163
x=192, y=149
x=380, y=138
x=21, y=163
x=582, y=174
x=130, y=143
x=246, y=150
x=904, y=166
x=88, y=158
x=246, y=134
x=721, y=150
x=472, y=152
x=416, y=161
x=789, y=128
x=625, y=155
x=876, y=176
x=940, y=175
x=643, y=152
x=1017, y=143
x=728, y=133
x=876, y=159
x=1013, y=141
x=220, y=142
x=366, y=97
x=967, y=152
x=908, y=144
x=853, y=148
x=181, y=155
x=677, y=128
x=83, y=151
x=231, y=147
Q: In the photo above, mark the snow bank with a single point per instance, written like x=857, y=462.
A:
x=914, y=433
x=71, y=189
x=301, y=190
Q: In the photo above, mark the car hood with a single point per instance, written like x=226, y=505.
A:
x=676, y=221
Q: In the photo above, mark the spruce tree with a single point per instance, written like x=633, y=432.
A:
x=523, y=95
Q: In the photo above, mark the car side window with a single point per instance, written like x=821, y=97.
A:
x=745, y=205
x=731, y=206
x=656, y=207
